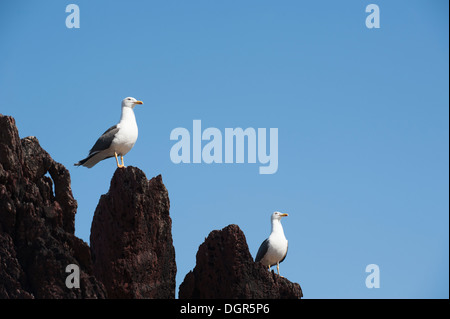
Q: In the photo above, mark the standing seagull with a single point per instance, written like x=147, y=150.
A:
x=118, y=140
x=274, y=249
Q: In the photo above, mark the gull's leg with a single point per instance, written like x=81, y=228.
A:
x=117, y=161
x=121, y=157
x=278, y=269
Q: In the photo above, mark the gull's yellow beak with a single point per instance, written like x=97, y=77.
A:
x=138, y=102
x=284, y=215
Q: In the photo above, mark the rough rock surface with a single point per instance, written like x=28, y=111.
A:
x=225, y=269
x=131, y=238
x=131, y=253
x=37, y=214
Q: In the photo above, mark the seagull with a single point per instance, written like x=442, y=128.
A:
x=274, y=249
x=118, y=140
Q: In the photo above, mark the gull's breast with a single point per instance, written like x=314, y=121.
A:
x=125, y=138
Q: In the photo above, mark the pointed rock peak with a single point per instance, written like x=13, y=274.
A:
x=131, y=237
x=225, y=269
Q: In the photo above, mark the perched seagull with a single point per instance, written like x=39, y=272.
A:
x=118, y=140
x=274, y=249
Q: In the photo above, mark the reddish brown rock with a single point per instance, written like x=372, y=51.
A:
x=225, y=269
x=131, y=238
x=131, y=254
x=37, y=239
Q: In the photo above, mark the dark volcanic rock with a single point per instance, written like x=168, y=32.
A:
x=131, y=254
x=131, y=238
x=37, y=240
x=225, y=269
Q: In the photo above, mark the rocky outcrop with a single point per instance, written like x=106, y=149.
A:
x=131, y=235
x=131, y=238
x=225, y=269
x=131, y=253
x=37, y=215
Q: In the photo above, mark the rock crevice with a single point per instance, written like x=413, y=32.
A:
x=37, y=223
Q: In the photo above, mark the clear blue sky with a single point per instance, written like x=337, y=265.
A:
x=362, y=116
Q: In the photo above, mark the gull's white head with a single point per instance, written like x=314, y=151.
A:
x=130, y=102
x=277, y=216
